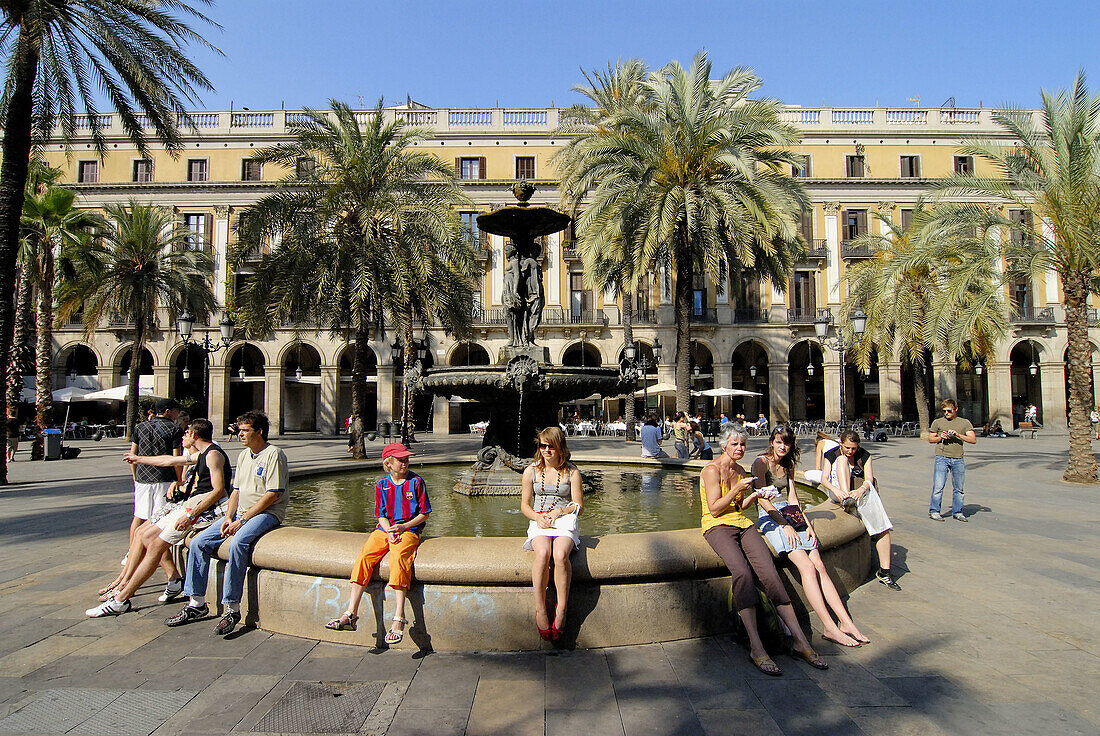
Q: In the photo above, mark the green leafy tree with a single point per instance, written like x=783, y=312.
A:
x=696, y=175
x=367, y=230
x=55, y=231
x=929, y=290
x=1051, y=169
x=144, y=264
x=59, y=54
x=608, y=258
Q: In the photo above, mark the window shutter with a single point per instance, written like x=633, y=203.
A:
x=861, y=221
x=458, y=167
x=481, y=168
x=208, y=233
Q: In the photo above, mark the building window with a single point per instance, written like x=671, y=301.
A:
x=699, y=296
x=305, y=167
x=580, y=298
x=807, y=227
x=196, y=169
x=251, y=170
x=470, y=233
x=1021, y=235
x=87, y=172
x=240, y=283
x=143, y=170
x=525, y=167
x=855, y=224
x=804, y=293
x=906, y=218
x=964, y=165
x=641, y=298
x=805, y=170
x=195, y=225
x=470, y=168
x=855, y=167
x=1021, y=297
x=910, y=167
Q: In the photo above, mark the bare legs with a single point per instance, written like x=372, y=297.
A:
x=823, y=596
x=136, y=555
x=786, y=612
x=152, y=553
x=559, y=548
x=882, y=547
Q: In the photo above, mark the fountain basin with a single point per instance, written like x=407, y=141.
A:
x=473, y=593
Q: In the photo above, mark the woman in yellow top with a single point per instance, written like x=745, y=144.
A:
x=726, y=490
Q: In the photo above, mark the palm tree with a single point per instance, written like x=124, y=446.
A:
x=1053, y=171
x=143, y=265
x=695, y=173
x=59, y=54
x=927, y=290
x=367, y=231
x=608, y=260
x=55, y=232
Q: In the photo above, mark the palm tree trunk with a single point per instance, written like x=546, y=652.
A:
x=135, y=377
x=920, y=393
x=683, y=299
x=21, y=334
x=43, y=354
x=13, y=179
x=359, y=390
x=1082, y=463
x=628, y=339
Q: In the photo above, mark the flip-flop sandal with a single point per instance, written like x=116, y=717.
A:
x=395, y=637
x=812, y=658
x=345, y=622
x=766, y=665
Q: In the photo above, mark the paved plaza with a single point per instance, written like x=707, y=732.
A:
x=994, y=631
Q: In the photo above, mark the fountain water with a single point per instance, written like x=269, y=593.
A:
x=523, y=392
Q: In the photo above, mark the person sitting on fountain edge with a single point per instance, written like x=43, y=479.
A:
x=402, y=507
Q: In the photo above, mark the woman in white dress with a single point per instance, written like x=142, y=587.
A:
x=552, y=499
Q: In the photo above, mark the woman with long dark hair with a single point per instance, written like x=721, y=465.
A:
x=552, y=499
x=773, y=474
x=726, y=490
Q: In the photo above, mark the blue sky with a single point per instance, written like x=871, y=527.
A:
x=462, y=53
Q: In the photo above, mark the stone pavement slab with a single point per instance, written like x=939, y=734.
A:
x=987, y=636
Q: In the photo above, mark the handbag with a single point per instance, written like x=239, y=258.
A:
x=793, y=514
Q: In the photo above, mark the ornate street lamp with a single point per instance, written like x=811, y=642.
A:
x=837, y=342
x=185, y=326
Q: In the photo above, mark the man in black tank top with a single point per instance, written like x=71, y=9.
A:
x=206, y=491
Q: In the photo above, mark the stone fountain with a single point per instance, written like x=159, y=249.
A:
x=523, y=392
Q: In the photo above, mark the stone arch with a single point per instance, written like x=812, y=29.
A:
x=581, y=353
x=245, y=373
x=1025, y=359
x=749, y=371
x=806, y=380
x=344, y=361
x=469, y=353
x=77, y=357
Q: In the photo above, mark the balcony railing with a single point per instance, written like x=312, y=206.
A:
x=853, y=250
x=817, y=250
x=806, y=315
x=750, y=316
x=569, y=250
x=705, y=316
x=1031, y=315
x=645, y=317
x=563, y=316
x=488, y=316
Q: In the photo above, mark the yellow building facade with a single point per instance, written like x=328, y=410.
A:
x=859, y=162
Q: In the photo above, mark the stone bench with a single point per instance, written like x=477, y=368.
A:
x=473, y=593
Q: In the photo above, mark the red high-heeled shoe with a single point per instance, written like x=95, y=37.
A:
x=545, y=634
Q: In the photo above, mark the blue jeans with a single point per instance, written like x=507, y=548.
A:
x=939, y=480
x=206, y=543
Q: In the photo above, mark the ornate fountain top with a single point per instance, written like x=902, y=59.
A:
x=523, y=190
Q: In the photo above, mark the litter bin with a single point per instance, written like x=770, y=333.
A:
x=52, y=444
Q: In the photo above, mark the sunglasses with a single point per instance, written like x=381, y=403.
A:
x=544, y=446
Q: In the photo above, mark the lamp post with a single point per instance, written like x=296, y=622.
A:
x=185, y=325
x=840, y=344
x=397, y=352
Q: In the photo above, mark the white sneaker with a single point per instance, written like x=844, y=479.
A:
x=109, y=607
x=172, y=591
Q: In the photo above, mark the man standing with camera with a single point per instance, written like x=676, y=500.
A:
x=948, y=433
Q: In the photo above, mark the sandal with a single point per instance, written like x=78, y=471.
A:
x=394, y=637
x=810, y=657
x=766, y=665
x=346, y=622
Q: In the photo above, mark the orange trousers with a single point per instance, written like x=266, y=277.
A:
x=401, y=558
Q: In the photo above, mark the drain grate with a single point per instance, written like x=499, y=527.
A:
x=88, y=711
x=318, y=707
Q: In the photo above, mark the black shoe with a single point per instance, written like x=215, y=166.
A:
x=188, y=615
x=887, y=580
x=227, y=623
